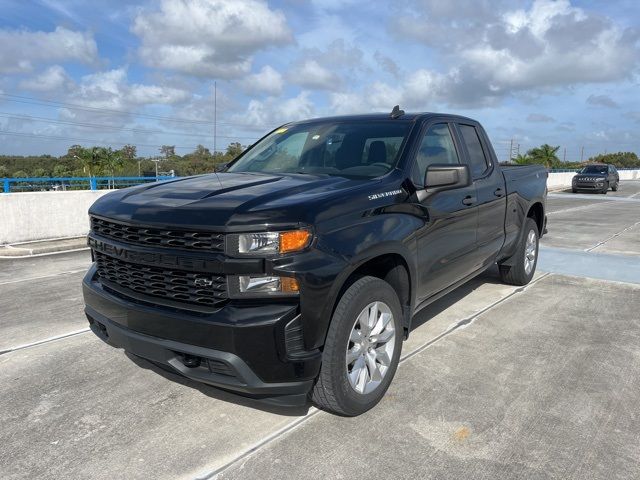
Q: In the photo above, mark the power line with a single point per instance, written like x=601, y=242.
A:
x=52, y=103
x=113, y=127
x=85, y=140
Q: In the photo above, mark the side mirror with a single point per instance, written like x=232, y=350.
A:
x=445, y=176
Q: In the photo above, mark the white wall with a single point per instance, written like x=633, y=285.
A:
x=40, y=215
x=556, y=180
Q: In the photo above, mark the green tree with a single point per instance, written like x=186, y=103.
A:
x=128, y=152
x=545, y=154
x=234, y=149
x=111, y=160
x=521, y=159
x=61, y=170
x=90, y=159
x=168, y=150
x=618, y=159
x=39, y=172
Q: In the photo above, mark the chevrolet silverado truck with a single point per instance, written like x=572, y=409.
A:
x=296, y=273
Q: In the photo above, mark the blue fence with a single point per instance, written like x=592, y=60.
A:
x=42, y=184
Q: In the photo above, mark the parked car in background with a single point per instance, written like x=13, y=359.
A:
x=598, y=177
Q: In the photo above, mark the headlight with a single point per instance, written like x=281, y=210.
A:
x=248, y=286
x=268, y=243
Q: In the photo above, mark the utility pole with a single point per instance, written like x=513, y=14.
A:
x=581, y=154
x=215, y=118
x=510, y=151
x=564, y=154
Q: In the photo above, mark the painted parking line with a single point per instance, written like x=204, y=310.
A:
x=314, y=411
x=28, y=279
x=594, y=197
x=45, y=340
x=578, y=263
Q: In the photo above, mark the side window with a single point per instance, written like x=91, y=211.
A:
x=478, y=163
x=436, y=147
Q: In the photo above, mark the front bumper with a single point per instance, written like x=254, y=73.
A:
x=244, y=348
x=588, y=186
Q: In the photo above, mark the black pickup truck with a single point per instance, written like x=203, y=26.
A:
x=296, y=273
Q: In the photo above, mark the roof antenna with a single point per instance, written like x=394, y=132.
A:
x=396, y=112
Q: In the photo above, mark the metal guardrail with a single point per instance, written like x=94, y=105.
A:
x=41, y=184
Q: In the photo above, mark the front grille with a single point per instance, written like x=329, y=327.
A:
x=163, y=283
x=157, y=237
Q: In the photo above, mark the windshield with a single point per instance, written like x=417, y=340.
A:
x=595, y=169
x=359, y=149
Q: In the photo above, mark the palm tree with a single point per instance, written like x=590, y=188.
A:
x=521, y=159
x=545, y=155
x=111, y=161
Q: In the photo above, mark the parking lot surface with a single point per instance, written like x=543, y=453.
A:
x=495, y=382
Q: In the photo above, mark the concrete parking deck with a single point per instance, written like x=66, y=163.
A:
x=496, y=381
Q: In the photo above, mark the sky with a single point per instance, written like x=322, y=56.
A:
x=107, y=72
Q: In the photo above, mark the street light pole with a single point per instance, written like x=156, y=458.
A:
x=215, y=118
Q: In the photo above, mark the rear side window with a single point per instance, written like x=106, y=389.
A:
x=478, y=163
x=436, y=147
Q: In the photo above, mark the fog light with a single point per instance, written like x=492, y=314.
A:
x=267, y=285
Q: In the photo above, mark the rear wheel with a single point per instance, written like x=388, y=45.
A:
x=362, y=349
x=525, y=259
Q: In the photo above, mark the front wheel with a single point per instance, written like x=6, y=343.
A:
x=605, y=189
x=614, y=187
x=525, y=258
x=362, y=350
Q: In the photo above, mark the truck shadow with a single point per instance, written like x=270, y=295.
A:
x=217, y=393
x=490, y=276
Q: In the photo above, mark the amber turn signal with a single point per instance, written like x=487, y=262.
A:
x=294, y=240
x=289, y=285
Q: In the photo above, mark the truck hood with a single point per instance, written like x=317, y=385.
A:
x=230, y=200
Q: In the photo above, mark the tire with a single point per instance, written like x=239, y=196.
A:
x=518, y=273
x=605, y=189
x=614, y=187
x=574, y=190
x=333, y=390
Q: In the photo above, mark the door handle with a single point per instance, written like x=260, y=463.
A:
x=469, y=200
x=498, y=192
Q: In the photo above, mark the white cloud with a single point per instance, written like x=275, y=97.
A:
x=54, y=78
x=490, y=54
x=110, y=89
x=274, y=111
x=310, y=74
x=539, y=118
x=210, y=38
x=267, y=80
x=21, y=49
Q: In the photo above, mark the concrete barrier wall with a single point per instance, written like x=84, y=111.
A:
x=563, y=179
x=42, y=215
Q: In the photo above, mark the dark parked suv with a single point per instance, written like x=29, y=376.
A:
x=596, y=178
x=298, y=270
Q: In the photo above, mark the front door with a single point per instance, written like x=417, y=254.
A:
x=448, y=238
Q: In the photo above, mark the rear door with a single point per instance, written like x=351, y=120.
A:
x=490, y=192
x=448, y=239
